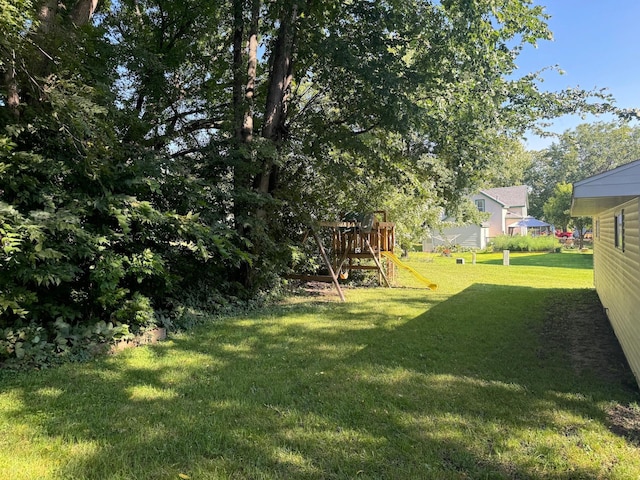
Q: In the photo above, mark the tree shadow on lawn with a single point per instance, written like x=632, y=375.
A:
x=446, y=394
x=560, y=260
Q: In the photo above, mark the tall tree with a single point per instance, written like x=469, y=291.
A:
x=157, y=138
x=15, y=17
x=98, y=223
x=508, y=163
x=557, y=210
x=587, y=150
x=342, y=98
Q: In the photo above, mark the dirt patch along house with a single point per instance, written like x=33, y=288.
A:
x=613, y=200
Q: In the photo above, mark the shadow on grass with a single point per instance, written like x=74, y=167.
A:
x=461, y=390
x=561, y=260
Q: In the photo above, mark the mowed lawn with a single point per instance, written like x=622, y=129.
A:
x=478, y=379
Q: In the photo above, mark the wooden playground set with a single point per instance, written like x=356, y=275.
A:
x=359, y=242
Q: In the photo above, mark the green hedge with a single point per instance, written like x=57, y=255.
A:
x=519, y=243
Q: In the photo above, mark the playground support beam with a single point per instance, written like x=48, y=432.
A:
x=325, y=257
x=377, y=262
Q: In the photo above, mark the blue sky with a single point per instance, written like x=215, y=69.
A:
x=596, y=44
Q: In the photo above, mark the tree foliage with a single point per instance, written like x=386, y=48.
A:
x=587, y=150
x=557, y=209
x=159, y=152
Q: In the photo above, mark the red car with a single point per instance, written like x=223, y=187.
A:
x=561, y=234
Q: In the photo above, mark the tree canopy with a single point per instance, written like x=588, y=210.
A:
x=587, y=150
x=159, y=152
x=557, y=209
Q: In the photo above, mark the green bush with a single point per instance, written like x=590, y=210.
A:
x=32, y=345
x=99, y=237
x=520, y=243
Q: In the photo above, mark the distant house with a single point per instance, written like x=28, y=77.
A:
x=513, y=203
x=505, y=205
x=613, y=200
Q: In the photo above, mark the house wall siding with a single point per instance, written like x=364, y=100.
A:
x=496, y=221
x=617, y=277
x=470, y=236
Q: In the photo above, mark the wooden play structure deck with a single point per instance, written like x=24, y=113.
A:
x=359, y=242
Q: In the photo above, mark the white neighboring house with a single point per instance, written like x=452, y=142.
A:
x=506, y=205
x=613, y=200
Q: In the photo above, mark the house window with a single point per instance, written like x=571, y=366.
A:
x=619, y=230
x=480, y=205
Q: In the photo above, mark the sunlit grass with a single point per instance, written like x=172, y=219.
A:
x=396, y=383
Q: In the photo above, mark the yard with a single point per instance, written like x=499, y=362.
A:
x=503, y=372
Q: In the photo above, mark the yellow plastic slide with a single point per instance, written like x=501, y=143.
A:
x=430, y=285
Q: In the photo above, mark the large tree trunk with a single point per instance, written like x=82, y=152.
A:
x=244, y=80
x=11, y=84
x=238, y=75
x=244, y=83
x=252, y=68
x=83, y=11
x=47, y=16
x=47, y=11
x=41, y=66
x=274, y=126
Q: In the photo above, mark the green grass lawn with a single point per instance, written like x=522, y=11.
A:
x=472, y=381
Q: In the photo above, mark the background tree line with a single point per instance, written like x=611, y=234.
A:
x=156, y=155
x=587, y=150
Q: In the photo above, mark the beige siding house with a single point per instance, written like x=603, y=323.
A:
x=613, y=200
x=505, y=206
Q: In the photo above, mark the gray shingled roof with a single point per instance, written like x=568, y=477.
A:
x=509, y=196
